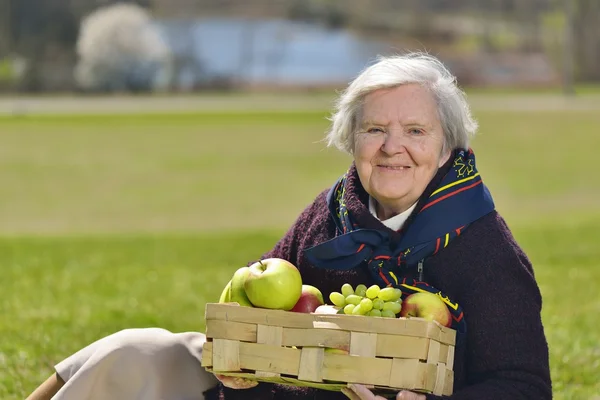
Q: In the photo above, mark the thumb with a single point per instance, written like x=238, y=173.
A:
x=406, y=395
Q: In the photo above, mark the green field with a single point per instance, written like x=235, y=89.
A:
x=110, y=222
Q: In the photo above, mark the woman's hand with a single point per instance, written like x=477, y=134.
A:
x=360, y=392
x=235, y=382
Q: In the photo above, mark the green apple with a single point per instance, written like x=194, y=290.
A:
x=238, y=293
x=428, y=306
x=273, y=283
x=226, y=294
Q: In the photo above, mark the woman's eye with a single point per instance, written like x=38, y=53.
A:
x=375, y=130
x=415, y=131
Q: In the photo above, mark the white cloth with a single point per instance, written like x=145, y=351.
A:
x=137, y=364
x=394, y=223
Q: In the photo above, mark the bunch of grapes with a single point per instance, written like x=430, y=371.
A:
x=372, y=301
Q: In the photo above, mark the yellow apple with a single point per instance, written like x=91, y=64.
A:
x=226, y=294
x=238, y=293
x=428, y=306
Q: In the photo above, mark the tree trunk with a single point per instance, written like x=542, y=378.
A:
x=586, y=33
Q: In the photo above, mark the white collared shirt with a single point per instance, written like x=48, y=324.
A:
x=396, y=221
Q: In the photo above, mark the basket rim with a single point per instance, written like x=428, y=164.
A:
x=409, y=326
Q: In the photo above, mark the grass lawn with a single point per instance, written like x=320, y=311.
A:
x=111, y=222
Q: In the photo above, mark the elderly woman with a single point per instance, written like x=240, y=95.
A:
x=413, y=208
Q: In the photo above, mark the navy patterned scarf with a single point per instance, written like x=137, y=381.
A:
x=460, y=199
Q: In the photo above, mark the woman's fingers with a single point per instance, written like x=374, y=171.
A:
x=363, y=392
x=350, y=394
x=406, y=395
x=235, y=382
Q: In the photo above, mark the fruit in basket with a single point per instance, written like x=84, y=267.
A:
x=375, y=313
x=327, y=309
x=337, y=299
x=392, y=306
x=366, y=305
x=389, y=294
x=371, y=301
x=238, y=293
x=353, y=299
x=273, y=283
x=360, y=290
x=373, y=291
x=358, y=310
x=310, y=299
x=347, y=290
x=226, y=294
x=314, y=291
x=348, y=309
x=428, y=306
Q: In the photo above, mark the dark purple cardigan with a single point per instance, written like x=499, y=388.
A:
x=483, y=269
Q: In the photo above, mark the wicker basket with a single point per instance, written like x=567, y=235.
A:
x=329, y=351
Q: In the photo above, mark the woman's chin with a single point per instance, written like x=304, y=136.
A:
x=391, y=188
x=389, y=196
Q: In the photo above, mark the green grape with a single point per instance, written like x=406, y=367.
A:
x=373, y=291
x=375, y=313
x=388, y=314
x=361, y=290
x=337, y=299
x=390, y=294
x=348, y=309
x=347, y=289
x=366, y=305
x=378, y=304
x=353, y=299
x=358, y=310
x=392, y=306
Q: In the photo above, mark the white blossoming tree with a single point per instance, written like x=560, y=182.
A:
x=120, y=48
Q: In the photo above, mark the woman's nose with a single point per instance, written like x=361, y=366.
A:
x=394, y=143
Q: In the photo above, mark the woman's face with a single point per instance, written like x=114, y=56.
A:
x=398, y=146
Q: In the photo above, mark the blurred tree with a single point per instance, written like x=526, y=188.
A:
x=120, y=48
x=39, y=30
x=43, y=33
x=527, y=18
x=332, y=14
x=5, y=28
x=586, y=38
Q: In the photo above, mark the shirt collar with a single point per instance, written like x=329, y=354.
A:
x=395, y=223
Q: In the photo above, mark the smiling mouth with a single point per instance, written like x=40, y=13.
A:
x=394, y=167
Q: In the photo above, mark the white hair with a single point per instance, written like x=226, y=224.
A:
x=388, y=72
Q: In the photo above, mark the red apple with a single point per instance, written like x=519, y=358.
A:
x=309, y=300
x=428, y=306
